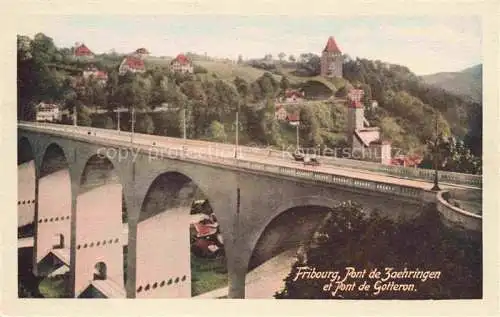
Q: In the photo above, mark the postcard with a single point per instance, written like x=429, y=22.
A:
x=334, y=160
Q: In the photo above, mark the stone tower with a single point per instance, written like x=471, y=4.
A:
x=331, y=59
x=355, y=114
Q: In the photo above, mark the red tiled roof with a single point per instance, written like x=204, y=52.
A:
x=82, y=50
x=293, y=117
x=181, y=59
x=101, y=75
x=412, y=160
x=289, y=93
x=134, y=62
x=355, y=104
x=331, y=46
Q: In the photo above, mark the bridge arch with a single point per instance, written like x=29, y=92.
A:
x=26, y=183
x=53, y=215
x=99, y=227
x=166, y=232
x=291, y=225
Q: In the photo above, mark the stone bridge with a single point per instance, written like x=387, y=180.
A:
x=76, y=181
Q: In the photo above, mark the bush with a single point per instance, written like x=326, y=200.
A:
x=197, y=69
x=354, y=240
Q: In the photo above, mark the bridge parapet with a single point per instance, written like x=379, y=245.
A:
x=399, y=171
x=449, y=204
x=231, y=162
x=407, y=172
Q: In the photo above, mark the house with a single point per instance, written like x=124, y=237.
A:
x=331, y=59
x=132, y=64
x=181, y=64
x=292, y=95
x=365, y=141
x=100, y=76
x=48, y=112
x=407, y=160
x=80, y=51
x=293, y=118
x=280, y=113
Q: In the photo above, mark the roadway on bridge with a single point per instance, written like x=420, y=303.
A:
x=203, y=150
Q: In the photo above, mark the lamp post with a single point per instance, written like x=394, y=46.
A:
x=118, y=118
x=184, y=123
x=237, y=132
x=297, y=128
x=436, y=153
x=133, y=126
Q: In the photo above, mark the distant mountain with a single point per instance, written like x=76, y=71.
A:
x=467, y=82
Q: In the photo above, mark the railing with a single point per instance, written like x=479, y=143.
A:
x=455, y=216
x=407, y=172
x=244, y=151
x=302, y=173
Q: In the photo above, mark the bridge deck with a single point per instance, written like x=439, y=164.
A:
x=209, y=151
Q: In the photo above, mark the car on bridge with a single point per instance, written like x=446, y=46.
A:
x=313, y=161
x=298, y=156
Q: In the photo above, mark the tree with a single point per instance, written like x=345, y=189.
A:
x=380, y=242
x=217, y=132
x=144, y=124
x=83, y=117
x=242, y=87
x=240, y=59
x=284, y=84
x=291, y=58
x=453, y=155
x=310, y=128
x=104, y=122
x=281, y=56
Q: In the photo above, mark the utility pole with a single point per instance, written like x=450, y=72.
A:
x=436, y=151
x=184, y=123
x=237, y=132
x=297, y=128
x=133, y=126
x=118, y=117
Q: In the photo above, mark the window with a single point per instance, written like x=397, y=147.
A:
x=100, y=271
x=58, y=241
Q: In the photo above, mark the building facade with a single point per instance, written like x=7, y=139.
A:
x=331, y=59
x=80, y=51
x=47, y=112
x=132, y=64
x=181, y=64
x=365, y=141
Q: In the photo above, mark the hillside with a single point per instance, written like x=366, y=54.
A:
x=407, y=110
x=467, y=82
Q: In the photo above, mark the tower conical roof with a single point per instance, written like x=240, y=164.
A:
x=331, y=46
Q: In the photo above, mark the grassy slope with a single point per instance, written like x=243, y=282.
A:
x=229, y=71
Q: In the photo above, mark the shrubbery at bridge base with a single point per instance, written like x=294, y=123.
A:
x=348, y=239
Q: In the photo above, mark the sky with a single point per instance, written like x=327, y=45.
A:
x=425, y=44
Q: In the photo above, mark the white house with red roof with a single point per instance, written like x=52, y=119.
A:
x=80, y=51
x=331, y=59
x=93, y=72
x=293, y=118
x=132, y=64
x=181, y=64
x=365, y=141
